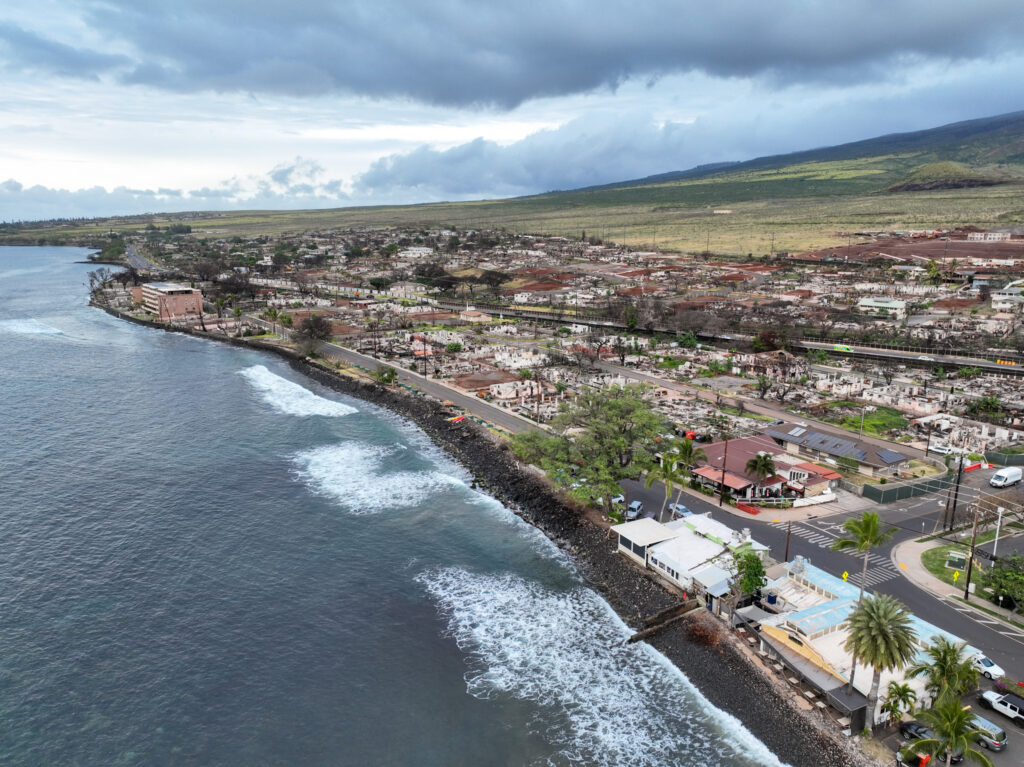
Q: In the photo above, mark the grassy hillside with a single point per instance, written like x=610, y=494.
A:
x=802, y=200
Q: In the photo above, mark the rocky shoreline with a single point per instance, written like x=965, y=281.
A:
x=719, y=669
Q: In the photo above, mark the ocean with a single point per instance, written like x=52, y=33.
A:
x=208, y=559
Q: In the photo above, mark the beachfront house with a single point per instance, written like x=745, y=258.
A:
x=696, y=553
x=802, y=618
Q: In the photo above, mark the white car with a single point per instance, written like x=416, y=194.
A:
x=987, y=667
x=926, y=358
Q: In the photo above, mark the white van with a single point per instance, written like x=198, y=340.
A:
x=1011, y=475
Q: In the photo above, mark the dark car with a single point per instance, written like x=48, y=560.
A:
x=914, y=731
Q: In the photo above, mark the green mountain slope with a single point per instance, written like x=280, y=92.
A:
x=992, y=148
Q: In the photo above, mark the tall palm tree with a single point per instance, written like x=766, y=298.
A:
x=948, y=671
x=664, y=471
x=899, y=697
x=954, y=733
x=686, y=457
x=879, y=632
x=864, y=533
x=761, y=466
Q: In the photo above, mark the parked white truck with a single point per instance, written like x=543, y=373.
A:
x=1007, y=704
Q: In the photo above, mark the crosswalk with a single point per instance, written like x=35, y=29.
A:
x=880, y=568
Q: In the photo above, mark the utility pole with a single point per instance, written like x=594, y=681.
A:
x=725, y=457
x=999, y=522
x=970, y=559
x=789, y=529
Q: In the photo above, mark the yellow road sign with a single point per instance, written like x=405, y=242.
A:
x=845, y=575
x=956, y=576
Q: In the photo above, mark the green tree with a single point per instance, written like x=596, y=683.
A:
x=947, y=670
x=880, y=633
x=380, y=283
x=386, y=374
x=899, y=697
x=954, y=733
x=749, y=573
x=604, y=436
x=934, y=272
x=453, y=348
x=761, y=466
x=864, y=533
x=665, y=471
x=1006, y=579
x=686, y=456
x=764, y=385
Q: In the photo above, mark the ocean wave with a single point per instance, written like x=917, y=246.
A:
x=352, y=474
x=290, y=398
x=29, y=327
x=605, y=704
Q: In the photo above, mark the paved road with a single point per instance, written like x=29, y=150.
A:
x=137, y=261
x=813, y=538
x=473, y=405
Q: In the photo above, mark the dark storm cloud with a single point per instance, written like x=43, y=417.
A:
x=461, y=52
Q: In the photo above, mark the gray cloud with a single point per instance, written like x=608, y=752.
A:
x=463, y=52
x=24, y=50
x=601, y=149
x=21, y=203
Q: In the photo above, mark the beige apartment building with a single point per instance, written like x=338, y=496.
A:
x=171, y=301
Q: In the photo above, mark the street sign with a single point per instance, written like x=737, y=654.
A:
x=956, y=576
x=845, y=575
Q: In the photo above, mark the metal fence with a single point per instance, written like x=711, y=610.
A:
x=1005, y=459
x=892, y=493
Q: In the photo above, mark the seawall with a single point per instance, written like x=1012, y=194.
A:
x=723, y=674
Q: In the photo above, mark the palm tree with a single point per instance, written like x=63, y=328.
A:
x=761, y=466
x=865, y=533
x=664, y=471
x=686, y=456
x=899, y=697
x=880, y=633
x=947, y=669
x=954, y=733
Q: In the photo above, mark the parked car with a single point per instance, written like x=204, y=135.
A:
x=678, y=510
x=1008, y=704
x=987, y=667
x=994, y=737
x=926, y=358
x=914, y=731
x=634, y=510
x=1009, y=475
x=616, y=500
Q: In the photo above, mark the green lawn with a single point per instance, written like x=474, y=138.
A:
x=877, y=423
x=934, y=561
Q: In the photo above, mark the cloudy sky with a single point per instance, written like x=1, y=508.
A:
x=125, y=106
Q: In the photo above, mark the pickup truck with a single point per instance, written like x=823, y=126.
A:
x=1008, y=704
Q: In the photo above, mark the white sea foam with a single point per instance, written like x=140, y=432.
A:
x=352, y=474
x=604, y=704
x=291, y=398
x=29, y=327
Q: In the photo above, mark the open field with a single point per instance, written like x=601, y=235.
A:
x=673, y=221
x=787, y=203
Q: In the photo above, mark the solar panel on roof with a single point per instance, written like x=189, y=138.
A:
x=797, y=431
x=891, y=456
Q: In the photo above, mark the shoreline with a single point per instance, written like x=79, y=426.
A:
x=721, y=671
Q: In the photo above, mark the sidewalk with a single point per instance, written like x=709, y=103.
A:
x=907, y=558
x=845, y=503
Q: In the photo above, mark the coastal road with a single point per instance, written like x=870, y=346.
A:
x=813, y=537
x=497, y=416
x=137, y=261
